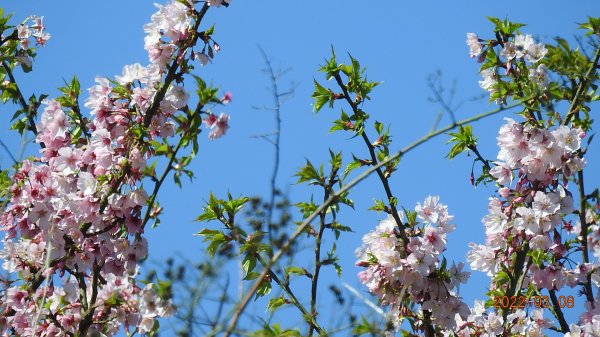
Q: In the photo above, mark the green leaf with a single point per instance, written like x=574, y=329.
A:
x=5, y=183
x=336, y=160
x=207, y=215
x=75, y=86
x=379, y=206
x=411, y=217
x=356, y=163
x=296, y=270
x=162, y=149
x=233, y=206
x=330, y=68
x=308, y=173
x=593, y=26
x=378, y=127
x=216, y=239
x=210, y=31
x=338, y=269
x=206, y=94
x=363, y=327
x=249, y=263
x=263, y=289
x=307, y=208
x=252, y=276
x=321, y=96
x=463, y=140
x=275, y=303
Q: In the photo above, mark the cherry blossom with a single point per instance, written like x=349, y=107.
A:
x=73, y=226
x=474, y=45
x=218, y=125
x=388, y=270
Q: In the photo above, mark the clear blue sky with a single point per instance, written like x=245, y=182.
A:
x=400, y=42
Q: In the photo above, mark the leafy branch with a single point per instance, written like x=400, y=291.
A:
x=240, y=307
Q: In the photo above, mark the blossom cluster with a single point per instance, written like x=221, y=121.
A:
x=534, y=208
x=74, y=226
x=532, y=211
x=395, y=271
x=480, y=322
x=32, y=28
x=539, y=154
x=531, y=214
x=522, y=48
x=532, y=227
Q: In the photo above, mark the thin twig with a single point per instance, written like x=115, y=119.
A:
x=161, y=180
x=21, y=99
x=12, y=157
x=274, y=78
x=369, y=303
x=318, y=240
x=438, y=98
x=583, y=87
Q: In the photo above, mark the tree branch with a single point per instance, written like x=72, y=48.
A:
x=21, y=99
x=374, y=161
x=584, y=236
x=170, y=77
x=302, y=227
x=583, y=87
x=558, y=312
x=277, y=109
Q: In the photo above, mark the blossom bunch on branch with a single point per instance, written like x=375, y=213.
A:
x=421, y=275
x=74, y=224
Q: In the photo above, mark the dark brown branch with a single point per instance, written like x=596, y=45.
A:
x=516, y=280
x=484, y=161
x=584, y=84
x=88, y=314
x=558, y=312
x=584, y=236
x=21, y=99
x=318, y=241
x=374, y=161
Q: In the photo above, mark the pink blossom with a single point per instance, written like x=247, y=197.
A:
x=539, y=76
x=475, y=47
x=509, y=51
x=429, y=212
x=68, y=160
x=545, y=204
x=218, y=3
x=218, y=125
x=226, y=99
x=502, y=173
x=131, y=73
x=482, y=258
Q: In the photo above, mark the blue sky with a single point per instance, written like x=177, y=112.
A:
x=399, y=42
